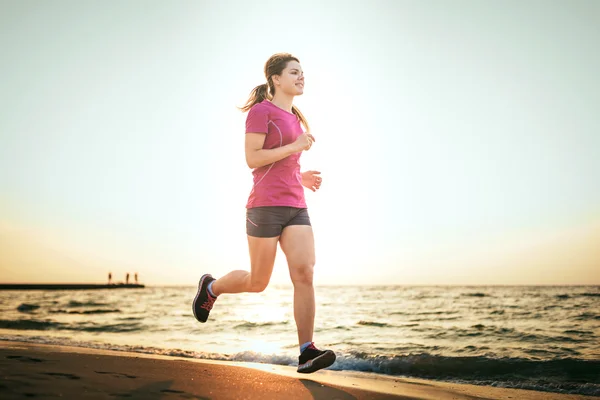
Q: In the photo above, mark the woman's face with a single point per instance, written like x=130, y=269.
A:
x=291, y=80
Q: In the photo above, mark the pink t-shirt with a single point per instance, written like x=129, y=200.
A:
x=279, y=183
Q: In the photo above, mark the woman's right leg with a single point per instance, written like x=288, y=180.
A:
x=262, y=259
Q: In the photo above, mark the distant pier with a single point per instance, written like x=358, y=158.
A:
x=68, y=286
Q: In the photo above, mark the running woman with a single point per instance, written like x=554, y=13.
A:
x=276, y=208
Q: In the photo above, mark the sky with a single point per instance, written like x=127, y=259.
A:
x=459, y=142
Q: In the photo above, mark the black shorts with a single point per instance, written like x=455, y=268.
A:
x=270, y=221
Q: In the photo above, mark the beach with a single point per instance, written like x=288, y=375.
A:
x=53, y=371
x=541, y=339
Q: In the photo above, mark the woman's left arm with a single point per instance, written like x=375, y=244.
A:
x=311, y=180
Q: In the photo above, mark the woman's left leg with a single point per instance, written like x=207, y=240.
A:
x=298, y=245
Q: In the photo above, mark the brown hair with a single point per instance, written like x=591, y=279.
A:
x=274, y=66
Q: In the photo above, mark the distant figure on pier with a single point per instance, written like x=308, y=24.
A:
x=127, y=279
x=136, y=281
x=109, y=278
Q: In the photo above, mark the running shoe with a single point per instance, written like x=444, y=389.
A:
x=203, y=302
x=313, y=359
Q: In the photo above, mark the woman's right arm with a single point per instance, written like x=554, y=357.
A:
x=257, y=157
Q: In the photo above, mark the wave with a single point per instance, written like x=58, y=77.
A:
x=477, y=294
x=24, y=324
x=436, y=313
x=74, y=303
x=333, y=328
x=250, y=325
x=374, y=323
x=113, y=328
x=437, y=319
x=491, y=331
x=585, y=294
x=586, y=316
x=568, y=375
x=96, y=311
x=25, y=307
x=40, y=325
x=576, y=332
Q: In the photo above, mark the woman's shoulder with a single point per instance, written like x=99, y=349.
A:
x=262, y=107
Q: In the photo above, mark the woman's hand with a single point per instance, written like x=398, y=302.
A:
x=304, y=142
x=311, y=180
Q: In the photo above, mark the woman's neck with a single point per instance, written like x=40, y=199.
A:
x=283, y=101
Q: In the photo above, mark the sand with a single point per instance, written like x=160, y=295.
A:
x=49, y=372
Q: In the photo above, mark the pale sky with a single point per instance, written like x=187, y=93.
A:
x=459, y=142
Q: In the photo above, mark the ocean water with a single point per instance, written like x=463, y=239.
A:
x=533, y=337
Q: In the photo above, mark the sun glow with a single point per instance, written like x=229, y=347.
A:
x=267, y=315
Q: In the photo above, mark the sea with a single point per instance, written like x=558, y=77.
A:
x=544, y=338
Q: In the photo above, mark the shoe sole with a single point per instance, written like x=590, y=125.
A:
x=323, y=361
x=196, y=298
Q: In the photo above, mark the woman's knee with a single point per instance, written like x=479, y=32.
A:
x=302, y=274
x=258, y=285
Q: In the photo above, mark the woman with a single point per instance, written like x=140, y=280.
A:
x=276, y=208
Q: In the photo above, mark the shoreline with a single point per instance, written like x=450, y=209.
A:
x=69, y=286
x=31, y=370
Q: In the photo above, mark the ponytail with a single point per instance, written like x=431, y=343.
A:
x=257, y=95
